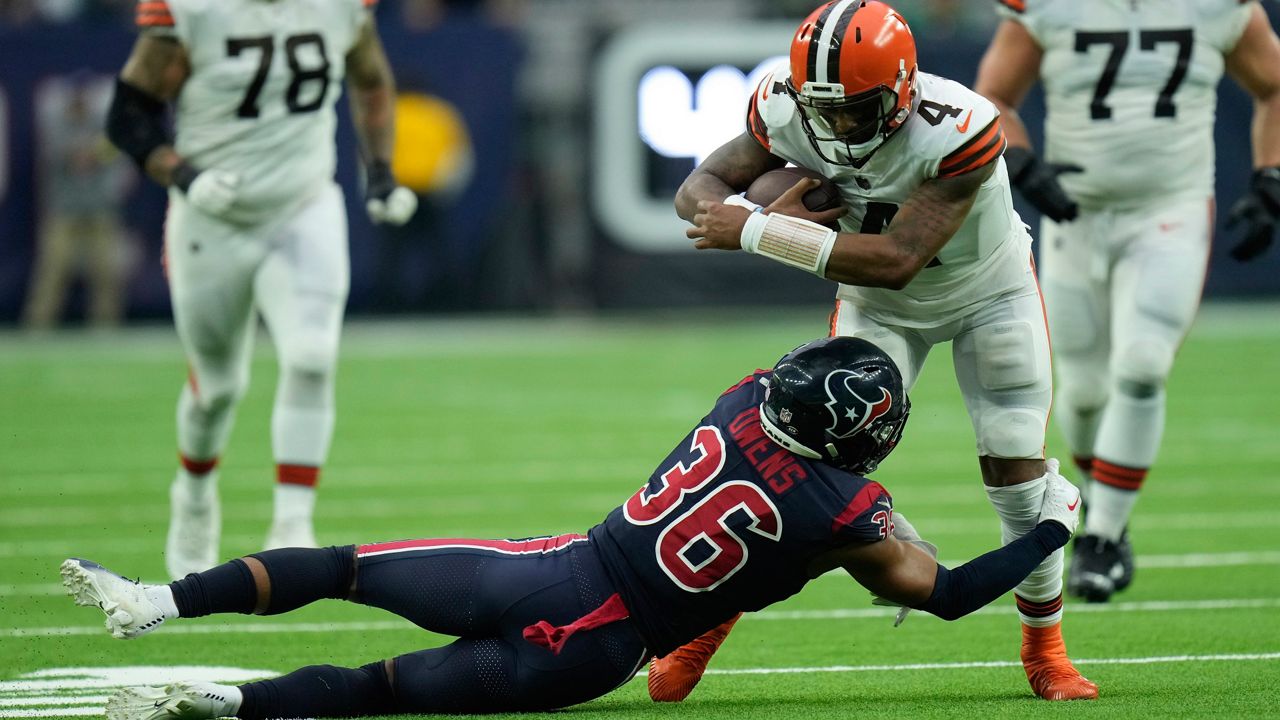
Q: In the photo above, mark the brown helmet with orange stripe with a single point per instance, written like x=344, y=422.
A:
x=853, y=76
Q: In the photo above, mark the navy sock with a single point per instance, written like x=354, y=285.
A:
x=320, y=691
x=227, y=588
x=299, y=576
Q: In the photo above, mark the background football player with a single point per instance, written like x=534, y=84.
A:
x=930, y=251
x=764, y=494
x=1127, y=194
x=256, y=223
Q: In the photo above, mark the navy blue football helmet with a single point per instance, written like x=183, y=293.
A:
x=839, y=400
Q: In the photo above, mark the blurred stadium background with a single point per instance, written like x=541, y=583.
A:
x=546, y=138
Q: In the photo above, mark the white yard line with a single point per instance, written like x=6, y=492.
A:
x=773, y=615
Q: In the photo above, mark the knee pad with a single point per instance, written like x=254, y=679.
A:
x=216, y=392
x=1005, y=354
x=298, y=574
x=1011, y=433
x=1141, y=366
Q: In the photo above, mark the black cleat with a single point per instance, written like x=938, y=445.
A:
x=1095, y=568
x=1125, y=578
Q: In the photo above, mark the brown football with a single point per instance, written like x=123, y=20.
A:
x=769, y=186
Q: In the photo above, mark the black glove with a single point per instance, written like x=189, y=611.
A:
x=1038, y=183
x=1259, y=210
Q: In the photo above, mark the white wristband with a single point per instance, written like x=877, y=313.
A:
x=741, y=201
x=791, y=241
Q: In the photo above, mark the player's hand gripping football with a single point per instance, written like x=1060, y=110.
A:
x=904, y=531
x=213, y=191
x=1259, y=212
x=1061, y=499
x=1038, y=183
x=386, y=201
x=718, y=226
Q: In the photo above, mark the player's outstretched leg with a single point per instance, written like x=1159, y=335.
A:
x=132, y=609
x=266, y=583
x=673, y=677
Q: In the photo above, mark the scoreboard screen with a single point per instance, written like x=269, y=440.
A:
x=665, y=97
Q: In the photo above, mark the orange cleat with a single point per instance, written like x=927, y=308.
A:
x=674, y=676
x=1050, y=672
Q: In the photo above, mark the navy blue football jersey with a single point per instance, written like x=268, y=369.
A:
x=729, y=522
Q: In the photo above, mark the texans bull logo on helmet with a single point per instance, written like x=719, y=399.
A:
x=850, y=412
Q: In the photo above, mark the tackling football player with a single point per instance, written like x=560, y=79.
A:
x=1126, y=189
x=930, y=251
x=256, y=224
x=765, y=493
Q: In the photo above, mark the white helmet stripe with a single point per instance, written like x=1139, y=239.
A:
x=824, y=40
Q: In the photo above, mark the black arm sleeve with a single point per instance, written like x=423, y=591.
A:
x=958, y=592
x=136, y=122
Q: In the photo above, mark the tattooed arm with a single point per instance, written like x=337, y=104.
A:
x=927, y=220
x=158, y=66
x=728, y=170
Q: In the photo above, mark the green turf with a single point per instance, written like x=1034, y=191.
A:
x=512, y=428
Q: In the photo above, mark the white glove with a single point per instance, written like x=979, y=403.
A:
x=904, y=531
x=213, y=191
x=395, y=209
x=1061, y=499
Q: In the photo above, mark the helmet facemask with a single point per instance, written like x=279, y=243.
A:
x=852, y=127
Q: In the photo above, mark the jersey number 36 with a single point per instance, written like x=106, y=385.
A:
x=698, y=550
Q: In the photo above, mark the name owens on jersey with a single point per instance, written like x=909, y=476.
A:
x=729, y=522
x=951, y=131
x=264, y=77
x=1131, y=92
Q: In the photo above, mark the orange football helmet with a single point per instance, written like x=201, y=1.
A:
x=853, y=76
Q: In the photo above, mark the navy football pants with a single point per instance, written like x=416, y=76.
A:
x=485, y=592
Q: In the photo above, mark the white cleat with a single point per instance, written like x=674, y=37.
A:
x=195, y=522
x=130, y=613
x=297, y=532
x=179, y=701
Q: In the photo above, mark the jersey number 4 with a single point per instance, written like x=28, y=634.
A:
x=698, y=550
x=308, y=63
x=1147, y=40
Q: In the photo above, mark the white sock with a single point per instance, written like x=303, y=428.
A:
x=1019, y=508
x=226, y=698
x=162, y=597
x=293, y=503
x=1130, y=431
x=1109, y=510
x=194, y=489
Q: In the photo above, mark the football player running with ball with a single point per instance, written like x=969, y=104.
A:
x=1126, y=189
x=765, y=493
x=930, y=251
x=256, y=223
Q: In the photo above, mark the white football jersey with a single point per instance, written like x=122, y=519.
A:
x=951, y=131
x=1131, y=91
x=259, y=99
